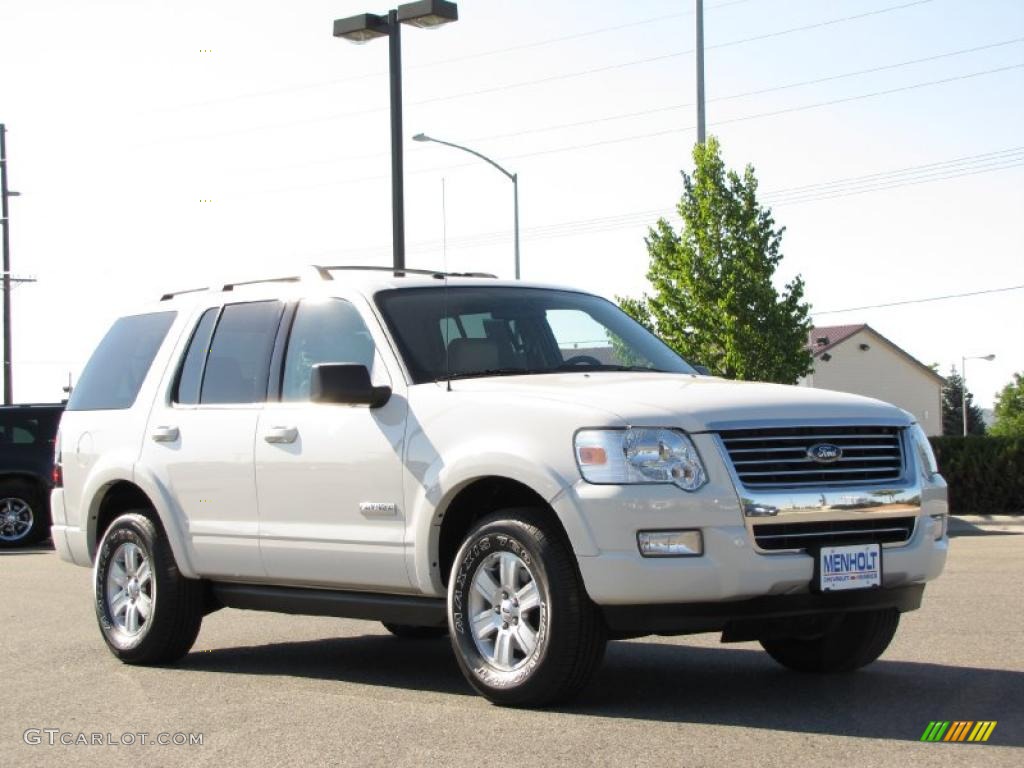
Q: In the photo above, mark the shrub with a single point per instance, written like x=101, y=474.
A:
x=985, y=474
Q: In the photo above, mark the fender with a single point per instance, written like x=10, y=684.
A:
x=438, y=484
x=117, y=467
x=171, y=516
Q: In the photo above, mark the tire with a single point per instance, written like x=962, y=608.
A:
x=854, y=642
x=24, y=519
x=543, y=640
x=135, y=576
x=410, y=632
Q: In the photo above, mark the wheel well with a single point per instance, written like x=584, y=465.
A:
x=118, y=499
x=480, y=498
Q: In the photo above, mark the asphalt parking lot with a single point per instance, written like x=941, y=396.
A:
x=264, y=689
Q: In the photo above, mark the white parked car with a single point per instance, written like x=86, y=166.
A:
x=523, y=467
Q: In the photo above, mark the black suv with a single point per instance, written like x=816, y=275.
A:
x=27, y=433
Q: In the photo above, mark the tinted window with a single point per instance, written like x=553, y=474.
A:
x=192, y=368
x=114, y=374
x=239, y=359
x=485, y=331
x=323, y=332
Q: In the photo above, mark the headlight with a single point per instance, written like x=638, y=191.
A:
x=924, y=451
x=630, y=456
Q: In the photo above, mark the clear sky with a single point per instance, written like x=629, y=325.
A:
x=162, y=145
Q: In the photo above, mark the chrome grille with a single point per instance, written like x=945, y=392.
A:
x=778, y=457
x=885, y=530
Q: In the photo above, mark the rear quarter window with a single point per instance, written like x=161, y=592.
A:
x=115, y=372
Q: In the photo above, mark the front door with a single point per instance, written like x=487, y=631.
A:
x=329, y=477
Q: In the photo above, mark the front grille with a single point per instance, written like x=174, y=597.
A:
x=778, y=457
x=891, y=530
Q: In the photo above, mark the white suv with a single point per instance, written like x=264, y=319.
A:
x=523, y=467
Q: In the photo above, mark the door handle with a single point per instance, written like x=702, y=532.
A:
x=165, y=434
x=281, y=435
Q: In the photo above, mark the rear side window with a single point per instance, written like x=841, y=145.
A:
x=115, y=372
x=192, y=369
x=238, y=364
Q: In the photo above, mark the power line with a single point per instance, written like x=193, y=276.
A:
x=621, y=221
x=457, y=59
x=922, y=301
x=549, y=79
x=651, y=135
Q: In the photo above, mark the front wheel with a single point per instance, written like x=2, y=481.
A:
x=147, y=611
x=854, y=641
x=524, y=631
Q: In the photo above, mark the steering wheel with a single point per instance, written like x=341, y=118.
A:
x=578, y=359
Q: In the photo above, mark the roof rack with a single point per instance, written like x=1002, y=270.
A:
x=325, y=271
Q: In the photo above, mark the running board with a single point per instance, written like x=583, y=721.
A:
x=397, y=609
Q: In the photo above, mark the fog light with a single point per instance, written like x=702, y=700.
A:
x=940, y=524
x=670, y=543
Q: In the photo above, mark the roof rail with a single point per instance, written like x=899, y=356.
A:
x=239, y=284
x=325, y=271
x=169, y=296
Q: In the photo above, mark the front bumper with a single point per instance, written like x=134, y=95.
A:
x=733, y=567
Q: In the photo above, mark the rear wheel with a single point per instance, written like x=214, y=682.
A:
x=147, y=611
x=856, y=640
x=524, y=631
x=23, y=518
x=410, y=632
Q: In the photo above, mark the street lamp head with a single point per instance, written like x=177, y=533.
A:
x=421, y=137
x=428, y=14
x=362, y=28
x=988, y=357
x=12, y=193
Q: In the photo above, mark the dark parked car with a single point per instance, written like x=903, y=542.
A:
x=27, y=433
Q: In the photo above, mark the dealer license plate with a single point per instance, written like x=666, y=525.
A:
x=854, y=566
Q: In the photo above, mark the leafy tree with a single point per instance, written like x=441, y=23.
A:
x=952, y=408
x=1010, y=409
x=713, y=297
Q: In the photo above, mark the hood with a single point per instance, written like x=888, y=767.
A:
x=694, y=403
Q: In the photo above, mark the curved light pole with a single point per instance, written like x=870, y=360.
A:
x=426, y=14
x=4, y=194
x=963, y=380
x=513, y=176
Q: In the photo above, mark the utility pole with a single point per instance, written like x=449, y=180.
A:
x=4, y=194
x=700, y=71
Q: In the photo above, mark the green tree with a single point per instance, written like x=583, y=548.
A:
x=1010, y=409
x=713, y=298
x=952, y=408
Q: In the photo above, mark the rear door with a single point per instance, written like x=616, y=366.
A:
x=329, y=477
x=200, y=437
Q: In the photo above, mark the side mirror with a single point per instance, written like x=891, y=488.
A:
x=344, y=383
x=703, y=370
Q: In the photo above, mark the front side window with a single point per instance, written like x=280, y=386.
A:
x=191, y=377
x=114, y=374
x=469, y=331
x=238, y=363
x=323, y=332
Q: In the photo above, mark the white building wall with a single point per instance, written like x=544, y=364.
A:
x=883, y=373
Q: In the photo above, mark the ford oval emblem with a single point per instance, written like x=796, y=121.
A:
x=824, y=453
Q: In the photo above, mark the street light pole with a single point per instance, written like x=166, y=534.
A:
x=513, y=177
x=963, y=384
x=397, y=162
x=427, y=14
x=700, y=71
x=4, y=194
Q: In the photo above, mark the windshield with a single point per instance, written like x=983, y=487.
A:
x=470, y=331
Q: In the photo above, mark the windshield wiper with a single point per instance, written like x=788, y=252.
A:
x=604, y=367
x=497, y=372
